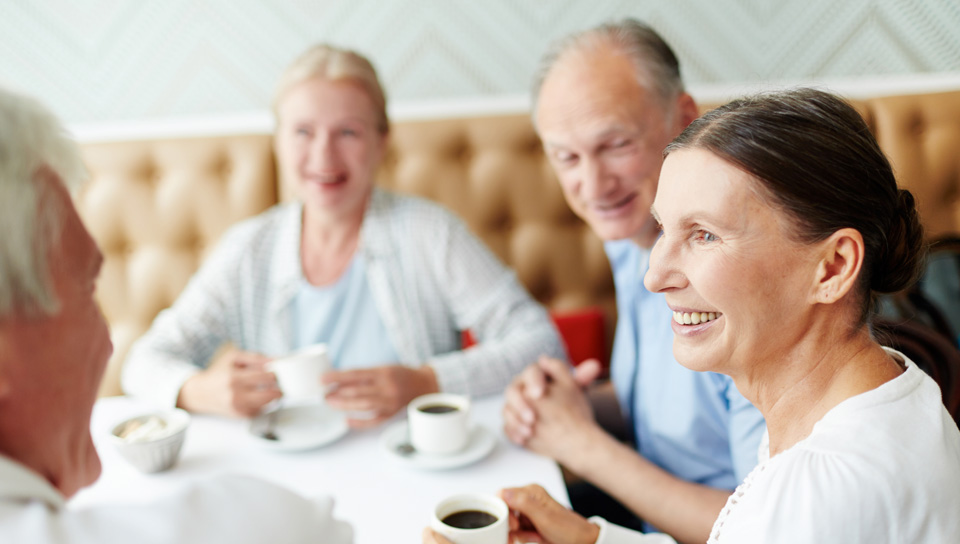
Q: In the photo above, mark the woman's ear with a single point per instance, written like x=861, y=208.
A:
x=840, y=265
x=383, y=147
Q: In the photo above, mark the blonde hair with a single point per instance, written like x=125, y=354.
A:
x=335, y=64
x=31, y=140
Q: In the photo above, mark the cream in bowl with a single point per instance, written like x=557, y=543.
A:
x=151, y=442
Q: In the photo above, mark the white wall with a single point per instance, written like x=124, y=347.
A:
x=130, y=61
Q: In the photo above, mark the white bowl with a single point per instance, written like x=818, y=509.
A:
x=153, y=446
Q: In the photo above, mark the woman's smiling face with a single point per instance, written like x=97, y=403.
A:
x=740, y=287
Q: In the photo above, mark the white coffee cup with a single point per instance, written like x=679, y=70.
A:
x=496, y=533
x=298, y=373
x=436, y=431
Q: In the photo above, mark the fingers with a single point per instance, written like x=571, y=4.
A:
x=341, y=378
x=355, y=391
x=368, y=422
x=548, y=518
x=432, y=537
x=531, y=501
x=587, y=372
x=531, y=505
x=252, y=388
x=519, y=416
x=251, y=403
x=379, y=392
x=555, y=370
x=534, y=381
x=250, y=360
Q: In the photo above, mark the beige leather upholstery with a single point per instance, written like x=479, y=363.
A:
x=921, y=137
x=155, y=207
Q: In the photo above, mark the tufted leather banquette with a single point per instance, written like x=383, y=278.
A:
x=156, y=207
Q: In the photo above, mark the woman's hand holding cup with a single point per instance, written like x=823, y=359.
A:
x=536, y=517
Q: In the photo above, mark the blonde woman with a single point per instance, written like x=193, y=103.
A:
x=387, y=281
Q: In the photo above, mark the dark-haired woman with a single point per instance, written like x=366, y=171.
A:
x=781, y=221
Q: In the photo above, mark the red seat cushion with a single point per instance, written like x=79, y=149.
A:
x=582, y=332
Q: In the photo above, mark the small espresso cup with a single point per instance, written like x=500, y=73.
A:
x=298, y=373
x=439, y=423
x=472, y=519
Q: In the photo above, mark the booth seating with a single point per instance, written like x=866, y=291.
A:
x=156, y=207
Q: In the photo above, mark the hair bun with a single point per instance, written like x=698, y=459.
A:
x=900, y=261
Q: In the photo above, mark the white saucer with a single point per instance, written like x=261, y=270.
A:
x=481, y=443
x=301, y=427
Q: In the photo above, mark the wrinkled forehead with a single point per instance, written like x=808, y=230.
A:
x=584, y=98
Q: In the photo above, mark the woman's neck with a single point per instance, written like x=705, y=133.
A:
x=795, y=390
x=327, y=245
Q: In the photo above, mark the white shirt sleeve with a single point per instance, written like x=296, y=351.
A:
x=184, y=336
x=486, y=297
x=235, y=509
x=615, y=534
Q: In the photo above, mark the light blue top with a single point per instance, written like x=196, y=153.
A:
x=694, y=425
x=345, y=317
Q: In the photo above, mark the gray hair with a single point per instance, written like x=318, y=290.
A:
x=334, y=64
x=657, y=66
x=31, y=140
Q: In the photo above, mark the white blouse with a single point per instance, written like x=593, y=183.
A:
x=880, y=467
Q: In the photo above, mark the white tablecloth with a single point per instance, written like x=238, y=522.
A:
x=384, y=500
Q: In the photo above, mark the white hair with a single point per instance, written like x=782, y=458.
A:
x=657, y=66
x=31, y=140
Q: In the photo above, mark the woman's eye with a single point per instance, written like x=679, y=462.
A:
x=708, y=236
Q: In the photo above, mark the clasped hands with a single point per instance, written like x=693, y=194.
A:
x=547, y=411
x=238, y=384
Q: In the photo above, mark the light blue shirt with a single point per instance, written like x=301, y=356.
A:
x=345, y=317
x=694, y=425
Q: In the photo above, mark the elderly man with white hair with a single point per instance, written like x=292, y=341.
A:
x=54, y=346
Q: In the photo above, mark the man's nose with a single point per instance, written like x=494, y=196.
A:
x=597, y=182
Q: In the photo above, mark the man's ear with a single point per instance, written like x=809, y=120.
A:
x=6, y=386
x=839, y=268
x=687, y=110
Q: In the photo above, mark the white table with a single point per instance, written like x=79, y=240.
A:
x=384, y=500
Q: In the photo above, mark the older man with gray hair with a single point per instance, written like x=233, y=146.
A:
x=54, y=346
x=608, y=101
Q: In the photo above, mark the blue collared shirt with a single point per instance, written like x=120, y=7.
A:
x=694, y=425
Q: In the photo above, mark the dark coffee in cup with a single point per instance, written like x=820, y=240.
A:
x=470, y=519
x=438, y=408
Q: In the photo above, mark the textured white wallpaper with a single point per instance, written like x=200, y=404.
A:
x=114, y=60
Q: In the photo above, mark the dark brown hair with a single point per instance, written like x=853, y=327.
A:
x=816, y=158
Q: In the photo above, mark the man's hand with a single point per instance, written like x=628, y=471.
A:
x=519, y=410
x=381, y=391
x=238, y=386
